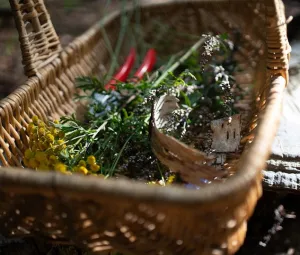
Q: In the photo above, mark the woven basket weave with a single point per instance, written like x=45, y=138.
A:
x=124, y=215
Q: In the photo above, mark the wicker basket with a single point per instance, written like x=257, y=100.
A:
x=124, y=215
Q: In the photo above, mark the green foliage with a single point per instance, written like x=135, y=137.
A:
x=116, y=130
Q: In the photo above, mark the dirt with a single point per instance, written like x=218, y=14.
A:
x=274, y=227
x=284, y=238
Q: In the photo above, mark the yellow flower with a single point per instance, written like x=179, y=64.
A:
x=26, y=162
x=50, y=150
x=29, y=154
x=42, y=145
x=56, y=121
x=60, y=167
x=82, y=170
x=41, y=124
x=35, y=119
x=33, y=146
x=82, y=163
x=53, y=159
x=43, y=166
x=33, y=130
x=42, y=131
x=41, y=157
x=94, y=167
x=50, y=138
x=33, y=136
x=54, y=131
x=61, y=143
x=91, y=160
x=33, y=163
x=171, y=179
x=30, y=128
x=151, y=183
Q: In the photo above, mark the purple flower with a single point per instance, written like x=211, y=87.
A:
x=191, y=186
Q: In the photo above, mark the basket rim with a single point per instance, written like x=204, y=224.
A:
x=248, y=167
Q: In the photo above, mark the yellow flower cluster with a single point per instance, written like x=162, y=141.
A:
x=170, y=180
x=45, y=145
x=88, y=166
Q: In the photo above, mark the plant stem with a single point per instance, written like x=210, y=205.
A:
x=196, y=46
x=125, y=19
x=119, y=155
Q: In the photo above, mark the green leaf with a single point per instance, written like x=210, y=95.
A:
x=186, y=99
x=125, y=113
x=224, y=36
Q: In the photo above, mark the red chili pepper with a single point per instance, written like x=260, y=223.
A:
x=147, y=65
x=123, y=72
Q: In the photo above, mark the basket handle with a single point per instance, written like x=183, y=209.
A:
x=38, y=39
x=279, y=49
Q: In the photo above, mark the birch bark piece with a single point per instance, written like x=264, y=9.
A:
x=226, y=134
x=193, y=165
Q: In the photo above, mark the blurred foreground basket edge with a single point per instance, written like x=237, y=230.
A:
x=128, y=216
